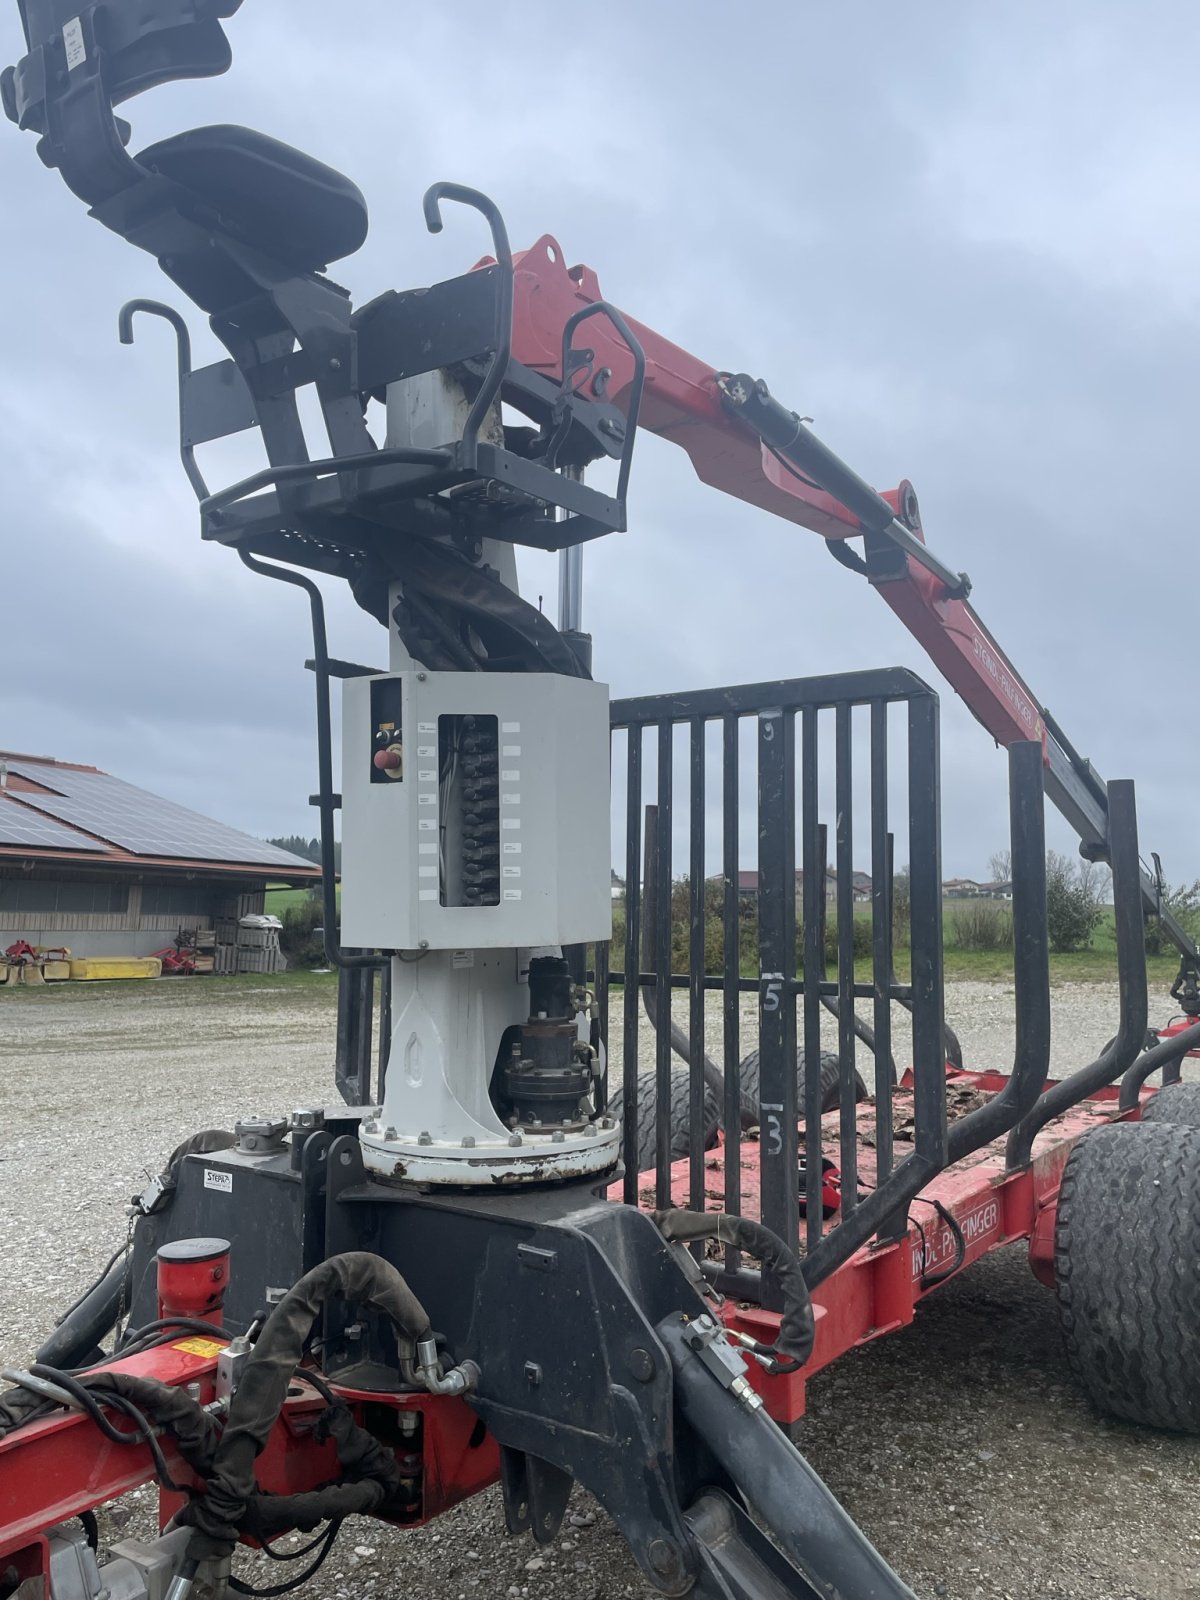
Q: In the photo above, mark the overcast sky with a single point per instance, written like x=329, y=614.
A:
x=963, y=239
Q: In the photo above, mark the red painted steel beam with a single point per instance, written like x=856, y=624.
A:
x=682, y=402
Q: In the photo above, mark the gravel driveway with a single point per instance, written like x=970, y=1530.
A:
x=960, y=1444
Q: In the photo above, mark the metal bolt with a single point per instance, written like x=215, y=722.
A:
x=422, y=1138
x=558, y=1137
x=468, y=1141
x=607, y=1124
x=422, y=944
x=390, y=1133
x=515, y=1140
x=641, y=1364
x=663, y=1557
x=335, y=364
x=421, y=677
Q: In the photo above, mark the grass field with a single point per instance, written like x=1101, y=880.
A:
x=1097, y=964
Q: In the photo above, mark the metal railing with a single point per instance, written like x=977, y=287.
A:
x=810, y=738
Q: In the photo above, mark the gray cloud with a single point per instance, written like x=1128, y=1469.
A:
x=964, y=240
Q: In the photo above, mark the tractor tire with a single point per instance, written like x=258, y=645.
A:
x=1127, y=1271
x=830, y=1074
x=1178, y=1103
x=647, y=1106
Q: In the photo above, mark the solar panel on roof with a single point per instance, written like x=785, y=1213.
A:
x=20, y=825
x=143, y=823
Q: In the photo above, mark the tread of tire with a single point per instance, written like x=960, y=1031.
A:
x=1126, y=1248
x=830, y=1081
x=647, y=1103
x=1177, y=1102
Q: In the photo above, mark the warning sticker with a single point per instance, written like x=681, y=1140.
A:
x=208, y=1348
x=74, y=45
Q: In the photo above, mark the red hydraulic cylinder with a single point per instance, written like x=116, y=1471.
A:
x=193, y=1275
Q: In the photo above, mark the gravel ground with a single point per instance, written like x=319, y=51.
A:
x=960, y=1445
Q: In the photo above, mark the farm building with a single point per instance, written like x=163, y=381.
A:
x=105, y=868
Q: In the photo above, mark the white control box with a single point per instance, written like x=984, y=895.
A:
x=475, y=811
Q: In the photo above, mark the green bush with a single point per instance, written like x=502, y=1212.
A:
x=1073, y=906
x=979, y=925
x=1183, y=903
x=300, y=943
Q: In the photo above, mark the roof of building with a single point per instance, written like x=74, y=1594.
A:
x=60, y=811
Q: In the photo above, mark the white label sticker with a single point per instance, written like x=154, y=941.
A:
x=510, y=749
x=427, y=799
x=429, y=849
x=427, y=774
x=511, y=775
x=512, y=894
x=510, y=799
x=426, y=752
x=427, y=872
x=510, y=822
x=73, y=40
x=510, y=872
x=462, y=958
x=214, y=1178
x=426, y=727
x=427, y=894
x=427, y=824
x=510, y=727
x=510, y=848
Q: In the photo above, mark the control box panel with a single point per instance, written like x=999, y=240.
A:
x=475, y=811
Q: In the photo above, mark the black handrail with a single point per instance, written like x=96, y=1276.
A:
x=1031, y=961
x=1131, y=978
x=183, y=368
x=1162, y=1054
x=326, y=803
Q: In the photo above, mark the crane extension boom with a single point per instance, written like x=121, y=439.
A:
x=745, y=443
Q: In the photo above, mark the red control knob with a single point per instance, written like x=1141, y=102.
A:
x=388, y=760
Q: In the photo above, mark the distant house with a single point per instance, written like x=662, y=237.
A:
x=105, y=868
x=748, y=885
x=1000, y=890
x=618, y=886
x=961, y=889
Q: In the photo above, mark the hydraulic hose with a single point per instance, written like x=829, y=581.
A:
x=797, y=1327
x=218, y=1515
x=87, y=1322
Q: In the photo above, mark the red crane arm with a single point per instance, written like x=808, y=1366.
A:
x=684, y=401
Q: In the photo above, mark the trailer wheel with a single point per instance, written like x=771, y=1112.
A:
x=647, y=1106
x=830, y=1076
x=1178, y=1103
x=1127, y=1271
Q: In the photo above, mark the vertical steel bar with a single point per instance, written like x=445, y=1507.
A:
x=731, y=1046
x=844, y=833
x=813, y=857
x=925, y=880
x=603, y=956
x=881, y=939
x=696, y=1087
x=633, y=960
x=662, y=967
x=776, y=1071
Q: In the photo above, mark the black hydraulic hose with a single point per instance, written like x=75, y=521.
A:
x=333, y=950
x=797, y=1327
x=357, y=1276
x=805, y=1520
x=85, y=1323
